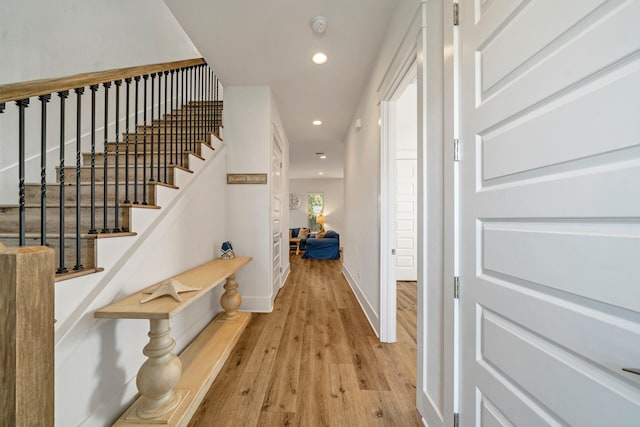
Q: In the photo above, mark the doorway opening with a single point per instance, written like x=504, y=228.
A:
x=399, y=198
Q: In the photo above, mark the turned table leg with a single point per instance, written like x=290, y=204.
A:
x=231, y=298
x=159, y=374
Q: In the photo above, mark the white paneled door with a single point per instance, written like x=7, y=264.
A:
x=550, y=213
x=406, y=219
x=276, y=214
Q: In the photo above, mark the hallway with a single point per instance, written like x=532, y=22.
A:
x=315, y=361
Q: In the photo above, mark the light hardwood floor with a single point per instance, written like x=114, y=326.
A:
x=315, y=361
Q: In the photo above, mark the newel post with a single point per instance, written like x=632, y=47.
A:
x=27, y=334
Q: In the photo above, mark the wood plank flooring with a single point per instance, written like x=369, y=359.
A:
x=315, y=361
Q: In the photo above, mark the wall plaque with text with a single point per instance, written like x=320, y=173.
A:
x=246, y=178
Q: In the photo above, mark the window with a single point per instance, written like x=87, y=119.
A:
x=315, y=208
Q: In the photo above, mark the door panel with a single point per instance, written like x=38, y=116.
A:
x=550, y=213
x=276, y=214
x=406, y=219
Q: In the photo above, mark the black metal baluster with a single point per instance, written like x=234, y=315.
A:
x=198, y=82
x=213, y=105
x=194, y=106
x=63, y=96
x=158, y=124
x=210, y=101
x=172, y=119
x=188, y=110
x=22, y=105
x=153, y=79
x=164, y=121
x=206, y=101
x=182, y=117
x=220, y=103
x=183, y=114
x=135, y=147
x=92, y=228
x=126, y=149
x=105, y=228
x=202, y=105
x=116, y=191
x=144, y=146
x=216, y=127
x=192, y=110
x=44, y=99
x=79, y=91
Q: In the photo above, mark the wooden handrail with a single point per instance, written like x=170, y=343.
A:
x=23, y=90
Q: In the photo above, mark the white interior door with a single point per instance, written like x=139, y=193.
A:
x=406, y=219
x=406, y=143
x=550, y=212
x=276, y=213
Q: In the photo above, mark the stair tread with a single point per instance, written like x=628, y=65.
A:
x=48, y=206
x=70, y=235
x=73, y=274
x=140, y=205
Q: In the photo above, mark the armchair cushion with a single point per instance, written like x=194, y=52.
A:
x=332, y=235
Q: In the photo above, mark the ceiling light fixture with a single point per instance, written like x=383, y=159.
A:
x=317, y=122
x=320, y=173
x=319, y=58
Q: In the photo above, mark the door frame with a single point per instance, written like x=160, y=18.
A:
x=388, y=202
x=424, y=45
x=277, y=145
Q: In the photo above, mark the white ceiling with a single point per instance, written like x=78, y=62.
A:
x=270, y=42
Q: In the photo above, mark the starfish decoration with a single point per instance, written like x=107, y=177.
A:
x=168, y=287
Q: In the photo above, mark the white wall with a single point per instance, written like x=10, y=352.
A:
x=362, y=170
x=333, y=189
x=40, y=40
x=249, y=114
x=97, y=359
x=406, y=126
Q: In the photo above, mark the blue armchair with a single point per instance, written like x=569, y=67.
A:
x=327, y=247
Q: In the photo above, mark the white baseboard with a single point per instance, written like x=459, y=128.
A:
x=256, y=304
x=370, y=312
x=285, y=274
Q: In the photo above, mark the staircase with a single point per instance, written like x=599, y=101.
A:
x=96, y=199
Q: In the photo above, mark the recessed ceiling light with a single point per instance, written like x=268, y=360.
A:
x=320, y=173
x=323, y=156
x=317, y=122
x=319, y=58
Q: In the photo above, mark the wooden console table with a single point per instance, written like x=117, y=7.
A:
x=171, y=387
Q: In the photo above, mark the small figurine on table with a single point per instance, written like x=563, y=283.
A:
x=226, y=251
